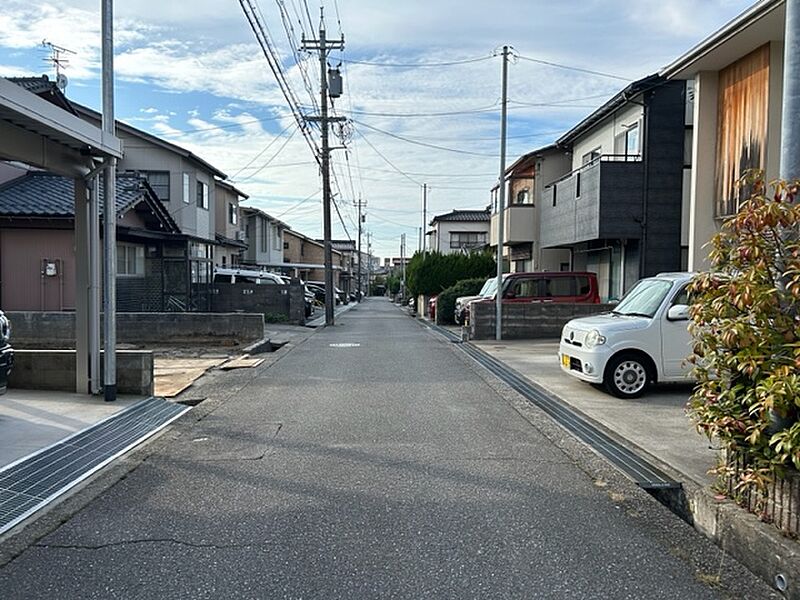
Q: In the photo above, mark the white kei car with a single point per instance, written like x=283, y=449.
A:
x=643, y=340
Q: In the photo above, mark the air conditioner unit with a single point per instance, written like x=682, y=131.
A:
x=241, y=235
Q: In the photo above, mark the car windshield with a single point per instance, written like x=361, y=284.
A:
x=489, y=284
x=644, y=299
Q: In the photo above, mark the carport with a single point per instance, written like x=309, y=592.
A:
x=38, y=133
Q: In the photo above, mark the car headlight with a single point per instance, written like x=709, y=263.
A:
x=593, y=338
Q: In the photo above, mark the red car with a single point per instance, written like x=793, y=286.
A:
x=550, y=286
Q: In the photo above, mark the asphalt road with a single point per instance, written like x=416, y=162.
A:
x=370, y=462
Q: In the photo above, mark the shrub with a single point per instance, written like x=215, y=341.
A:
x=746, y=327
x=446, y=302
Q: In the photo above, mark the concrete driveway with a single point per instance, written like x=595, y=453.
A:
x=656, y=423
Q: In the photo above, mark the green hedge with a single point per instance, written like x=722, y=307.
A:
x=432, y=272
x=446, y=302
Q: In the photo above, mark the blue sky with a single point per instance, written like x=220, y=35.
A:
x=193, y=74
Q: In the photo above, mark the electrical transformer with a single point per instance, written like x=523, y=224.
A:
x=334, y=83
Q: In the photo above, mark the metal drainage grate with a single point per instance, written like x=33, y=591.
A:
x=32, y=482
x=642, y=472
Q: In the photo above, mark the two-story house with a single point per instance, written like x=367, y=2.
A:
x=459, y=231
x=737, y=74
x=524, y=180
x=620, y=209
x=304, y=257
x=263, y=234
x=228, y=232
x=186, y=185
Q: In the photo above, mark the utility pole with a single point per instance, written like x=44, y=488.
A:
x=501, y=201
x=790, y=134
x=369, y=261
x=323, y=45
x=403, y=263
x=424, y=217
x=109, y=210
x=360, y=204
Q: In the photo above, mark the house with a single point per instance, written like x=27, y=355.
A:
x=459, y=231
x=264, y=237
x=304, y=257
x=38, y=246
x=524, y=180
x=737, y=74
x=227, y=231
x=348, y=276
x=620, y=210
x=184, y=184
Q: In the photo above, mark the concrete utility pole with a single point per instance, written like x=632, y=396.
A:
x=501, y=201
x=360, y=204
x=324, y=46
x=424, y=217
x=403, y=262
x=369, y=261
x=109, y=211
x=790, y=130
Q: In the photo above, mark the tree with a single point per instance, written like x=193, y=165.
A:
x=746, y=323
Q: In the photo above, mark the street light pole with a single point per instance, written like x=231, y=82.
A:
x=790, y=134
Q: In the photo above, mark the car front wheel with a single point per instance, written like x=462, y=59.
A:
x=627, y=376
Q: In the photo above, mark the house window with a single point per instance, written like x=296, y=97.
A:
x=591, y=156
x=632, y=141
x=578, y=184
x=555, y=194
x=743, y=106
x=187, y=199
x=233, y=214
x=130, y=260
x=202, y=195
x=159, y=181
x=467, y=239
x=264, y=244
x=276, y=238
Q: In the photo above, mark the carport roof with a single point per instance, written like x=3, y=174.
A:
x=28, y=112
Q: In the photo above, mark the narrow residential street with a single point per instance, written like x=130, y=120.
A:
x=370, y=462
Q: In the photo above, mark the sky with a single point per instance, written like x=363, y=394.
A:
x=421, y=88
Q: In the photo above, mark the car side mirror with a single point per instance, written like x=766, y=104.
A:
x=510, y=295
x=678, y=312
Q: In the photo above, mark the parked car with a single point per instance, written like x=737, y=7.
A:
x=545, y=286
x=6, y=352
x=339, y=297
x=462, y=301
x=308, y=295
x=645, y=339
x=252, y=275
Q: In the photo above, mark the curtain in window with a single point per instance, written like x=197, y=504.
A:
x=742, y=126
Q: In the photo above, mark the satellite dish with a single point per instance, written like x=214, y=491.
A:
x=61, y=81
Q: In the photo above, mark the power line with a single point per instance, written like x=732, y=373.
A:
x=286, y=141
x=304, y=200
x=267, y=147
x=418, y=65
x=569, y=68
x=425, y=144
x=387, y=161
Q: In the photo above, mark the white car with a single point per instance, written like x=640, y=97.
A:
x=645, y=339
x=462, y=301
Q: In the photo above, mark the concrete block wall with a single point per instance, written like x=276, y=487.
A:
x=47, y=330
x=526, y=321
x=287, y=301
x=55, y=370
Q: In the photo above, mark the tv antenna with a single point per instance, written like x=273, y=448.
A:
x=58, y=58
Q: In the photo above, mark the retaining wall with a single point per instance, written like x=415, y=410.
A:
x=55, y=370
x=525, y=321
x=57, y=329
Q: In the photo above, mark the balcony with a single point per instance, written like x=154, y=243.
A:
x=518, y=225
x=601, y=200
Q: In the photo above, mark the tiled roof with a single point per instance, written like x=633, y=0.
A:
x=464, y=215
x=43, y=194
x=44, y=88
x=229, y=241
